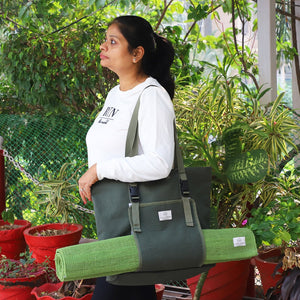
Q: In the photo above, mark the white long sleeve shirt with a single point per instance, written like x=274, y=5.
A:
x=106, y=139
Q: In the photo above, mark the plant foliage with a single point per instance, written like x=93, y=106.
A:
x=223, y=125
x=49, y=50
x=61, y=194
x=26, y=267
x=277, y=223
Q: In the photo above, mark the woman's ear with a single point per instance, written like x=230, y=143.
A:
x=138, y=54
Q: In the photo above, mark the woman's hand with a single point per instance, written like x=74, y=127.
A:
x=85, y=183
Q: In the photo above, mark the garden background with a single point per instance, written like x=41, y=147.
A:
x=52, y=85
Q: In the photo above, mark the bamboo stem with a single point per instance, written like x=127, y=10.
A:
x=200, y=286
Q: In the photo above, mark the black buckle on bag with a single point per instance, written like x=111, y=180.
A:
x=134, y=193
x=184, y=186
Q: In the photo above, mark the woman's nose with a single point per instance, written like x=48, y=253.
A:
x=103, y=46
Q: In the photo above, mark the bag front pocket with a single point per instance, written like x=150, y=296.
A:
x=170, y=235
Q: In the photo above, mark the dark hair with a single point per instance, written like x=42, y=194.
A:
x=159, y=52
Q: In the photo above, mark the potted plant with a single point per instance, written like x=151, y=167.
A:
x=287, y=286
x=12, y=241
x=78, y=289
x=222, y=125
x=276, y=228
x=43, y=240
x=60, y=194
x=19, y=277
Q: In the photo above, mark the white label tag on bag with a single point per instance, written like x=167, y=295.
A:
x=239, y=241
x=165, y=215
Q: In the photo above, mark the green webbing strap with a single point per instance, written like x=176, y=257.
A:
x=183, y=178
x=131, y=149
x=178, y=160
x=188, y=212
x=136, y=222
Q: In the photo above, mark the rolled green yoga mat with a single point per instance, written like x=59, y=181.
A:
x=120, y=255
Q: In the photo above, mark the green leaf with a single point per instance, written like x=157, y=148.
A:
x=198, y=13
x=8, y=216
x=24, y=9
x=276, y=104
x=233, y=146
x=99, y=3
x=248, y=167
x=177, y=7
x=284, y=235
x=44, y=62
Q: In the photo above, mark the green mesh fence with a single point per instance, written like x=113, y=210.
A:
x=41, y=146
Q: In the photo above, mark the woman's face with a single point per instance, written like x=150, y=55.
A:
x=114, y=51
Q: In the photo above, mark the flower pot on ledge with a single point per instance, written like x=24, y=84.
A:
x=17, y=279
x=43, y=244
x=12, y=241
x=225, y=281
x=44, y=292
x=266, y=263
x=20, y=288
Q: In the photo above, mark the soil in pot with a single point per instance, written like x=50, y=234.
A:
x=51, y=232
x=44, y=240
x=12, y=241
x=78, y=289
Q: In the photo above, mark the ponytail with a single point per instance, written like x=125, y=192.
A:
x=158, y=64
x=158, y=51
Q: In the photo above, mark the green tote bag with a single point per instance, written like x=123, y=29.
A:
x=165, y=217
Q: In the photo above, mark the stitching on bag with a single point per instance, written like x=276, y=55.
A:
x=163, y=202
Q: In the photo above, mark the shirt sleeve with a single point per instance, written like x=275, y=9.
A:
x=156, y=142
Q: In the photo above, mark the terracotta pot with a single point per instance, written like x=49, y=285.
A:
x=266, y=263
x=20, y=288
x=12, y=241
x=52, y=287
x=43, y=247
x=159, y=288
x=225, y=281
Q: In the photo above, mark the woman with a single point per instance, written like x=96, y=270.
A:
x=142, y=61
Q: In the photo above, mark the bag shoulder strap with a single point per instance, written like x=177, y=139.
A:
x=131, y=140
x=132, y=145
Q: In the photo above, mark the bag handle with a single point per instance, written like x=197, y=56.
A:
x=132, y=149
